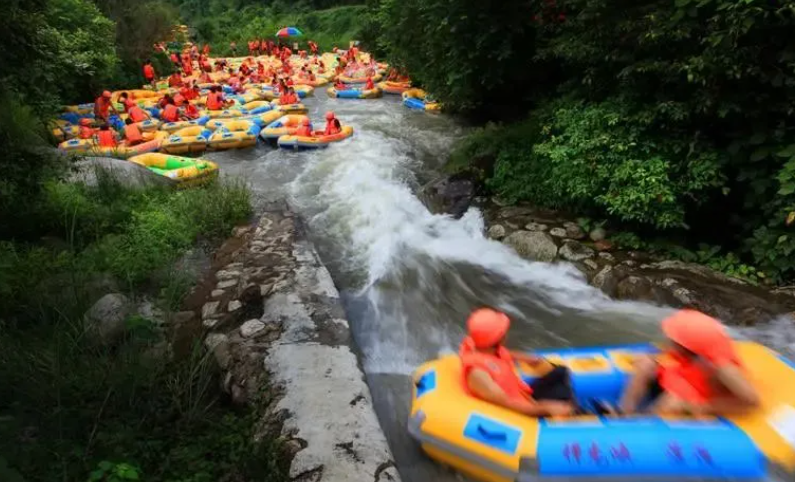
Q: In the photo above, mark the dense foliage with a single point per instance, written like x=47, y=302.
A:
x=659, y=115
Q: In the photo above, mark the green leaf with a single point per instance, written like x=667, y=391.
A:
x=788, y=151
x=760, y=154
x=781, y=239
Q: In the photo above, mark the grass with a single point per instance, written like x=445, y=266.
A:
x=73, y=410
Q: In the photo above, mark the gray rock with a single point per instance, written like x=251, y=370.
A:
x=226, y=284
x=558, y=232
x=217, y=293
x=514, y=211
x=606, y=280
x=574, y=251
x=450, y=195
x=107, y=318
x=497, y=231
x=597, y=234
x=573, y=230
x=251, y=328
x=607, y=257
x=634, y=288
x=214, y=339
x=218, y=344
x=533, y=245
x=210, y=309
x=591, y=264
x=90, y=170
x=234, y=305
x=225, y=275
x=536, y=227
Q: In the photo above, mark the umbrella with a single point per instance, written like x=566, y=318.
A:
x=289, y=32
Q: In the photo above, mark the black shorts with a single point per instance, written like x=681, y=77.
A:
x=555, y=385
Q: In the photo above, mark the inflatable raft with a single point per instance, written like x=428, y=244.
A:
x=186, y=171
x=234, y=135
x=88, y=147
x=314, y=142
x=417, y=99
x=354, y=93
x=188, y=139
x=358, y=80
x=284, y=126
x=490, y=443
x=172, y=127
x=397, y=88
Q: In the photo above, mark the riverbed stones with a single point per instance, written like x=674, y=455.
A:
x=210, y=309
x=226, y=284
x=558, y=232
x=607, y=257
x=634, y=288
x=603, y=245
x=533, y=245
x=225, y=275
x=574, y=251
x=606, y=280
x=251, y=328
x=234, y=305
x=534, y=226
x=573, y=230
x=597, y=234
x=496, y=231
x=106, y=319
x=217, y=293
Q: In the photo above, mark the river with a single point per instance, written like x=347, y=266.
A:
x=409, y=278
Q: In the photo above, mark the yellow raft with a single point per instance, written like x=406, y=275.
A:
x=186, y=171
x=491, y=443
x=88, y=147
x=189, y=139
x=314, y=142
x=354, y=93
x=417, y=99
x=234, y=135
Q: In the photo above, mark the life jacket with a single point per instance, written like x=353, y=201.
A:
x=179, y=99
x=137, y=114
x=289, y=98
x=499, y=366
x=187, y=67
x=133, y=134
x=191, y=111
x=102, y=107
x=370, y=85
x=174, y=80
x=304, y=131
x=214, y=101
x=331, y=128
x=149, y=72
x=170, y=113
x=85, y=132
x=129, y=104
x=106, y=138
x=174, y=58
x=691, y=380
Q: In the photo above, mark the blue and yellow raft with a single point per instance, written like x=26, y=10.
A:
x=490, y=443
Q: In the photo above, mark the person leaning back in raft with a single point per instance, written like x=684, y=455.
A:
x=489, y=371
x=700, y=372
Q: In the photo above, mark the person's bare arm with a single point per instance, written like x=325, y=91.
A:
x=481, y=384
x=744, y=395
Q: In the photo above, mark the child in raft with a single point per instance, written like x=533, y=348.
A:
x=86, y=131
x=306, y=128
x=340, y=85
x=369, y=85
x=332, y=124
x=106, y=137
x=288, y=97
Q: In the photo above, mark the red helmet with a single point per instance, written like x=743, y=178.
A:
x=329, y=115
x=487, y=327
x=106, y=94
x=305, y=121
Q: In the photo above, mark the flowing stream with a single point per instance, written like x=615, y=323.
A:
x=408, y=277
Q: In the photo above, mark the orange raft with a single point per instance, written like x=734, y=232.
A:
x=314, y=142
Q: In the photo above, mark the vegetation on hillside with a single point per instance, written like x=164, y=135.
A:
x=669, y=117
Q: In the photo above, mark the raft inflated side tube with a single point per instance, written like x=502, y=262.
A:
x=186, y=171
x=491, y=443
x=314, y=142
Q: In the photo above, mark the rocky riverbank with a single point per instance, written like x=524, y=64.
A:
x=543, y=235
x=268, y=311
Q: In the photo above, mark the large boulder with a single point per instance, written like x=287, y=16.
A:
x=450, y=195
x=535, y=245
x=90, y=170
x=574, y=251
x=106, y=319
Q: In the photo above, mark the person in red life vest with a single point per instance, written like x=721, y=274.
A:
x=286, y=54
x=489, y=371
x=191, y=111
x=369, y=85
x=306, y=128
x=313, y=47
x=244, y=69
x=103, y=106
x=161, y=104
x=339, y=85
x=137, y=114
x=170, y=112
x=175, y=80
x=251, y=47
x=174, y=59
x=233, y=48
x=206, y=50
x=215, y=99
x=192, y=93
x=703, y=375
x=126, y=101
x=332, y=124
x=194, y=51
x=288, y=97
x=106, y=137
x=149, y=73
x=311, y=77
x=260, y=70
x=187, y=64
x=132, y=134
x=290, y=82
x=321, y=67
x=85, y=131
x=179, y=97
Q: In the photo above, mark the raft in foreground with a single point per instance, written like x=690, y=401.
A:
x=490, y=443
x=314, y=142
x=186, y=171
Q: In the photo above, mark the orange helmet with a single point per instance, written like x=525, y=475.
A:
x=106, y=94
x=329, y=115
x=305, y=121
x=487, y=327
x=696, y=331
